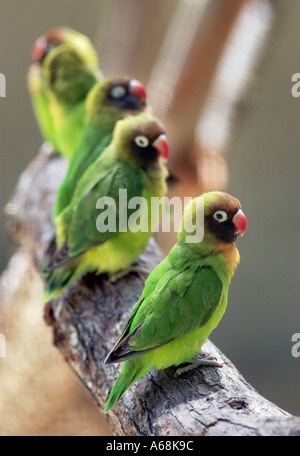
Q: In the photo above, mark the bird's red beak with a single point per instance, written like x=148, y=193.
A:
x=162, y=146
x=240, y=222
x=138, y=89
x=39, y=49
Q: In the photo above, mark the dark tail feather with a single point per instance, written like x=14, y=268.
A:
x=58, y=260
x=48, y=256
x=57, y=281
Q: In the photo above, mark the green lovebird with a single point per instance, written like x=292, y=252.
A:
x=109, y=101
x=65, y=69
x=185, y=297
x=110, y=241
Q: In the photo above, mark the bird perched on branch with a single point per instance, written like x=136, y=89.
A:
x=185, y=297
x=65, y=69
x=134, y=162
x=109, y=101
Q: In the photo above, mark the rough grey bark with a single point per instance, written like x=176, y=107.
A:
x=87, y=320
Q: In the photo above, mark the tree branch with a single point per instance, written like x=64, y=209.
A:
x=87, y=320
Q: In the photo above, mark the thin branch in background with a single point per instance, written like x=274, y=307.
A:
x=202, y=55
x=115, y=44
x=235, y=72
x=170, y=63
x=129, y=35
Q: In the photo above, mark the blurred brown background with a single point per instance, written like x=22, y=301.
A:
x=150, y=41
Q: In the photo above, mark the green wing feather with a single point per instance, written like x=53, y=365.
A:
x=86, y=153
x=79, y=219
x=180, y=303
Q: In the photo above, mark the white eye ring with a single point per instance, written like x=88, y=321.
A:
x=118, y=91
x=220, y=216
x=142, y=141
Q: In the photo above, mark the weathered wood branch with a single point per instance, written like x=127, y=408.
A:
x=87, y=320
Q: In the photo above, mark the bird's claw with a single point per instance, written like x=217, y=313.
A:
x=197, y=361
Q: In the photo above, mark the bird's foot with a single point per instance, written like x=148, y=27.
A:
x=138, y=269
x=197, y=361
